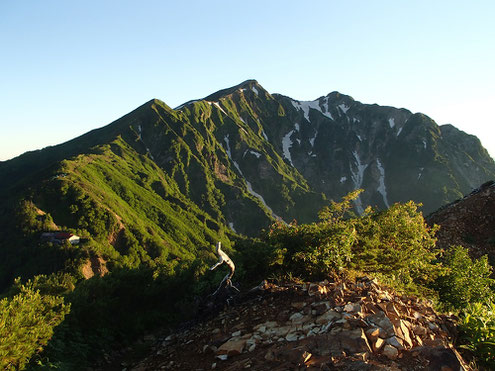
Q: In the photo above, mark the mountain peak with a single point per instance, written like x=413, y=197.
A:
x=245, y=85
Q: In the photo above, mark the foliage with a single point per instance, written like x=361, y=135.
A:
x=397, y=243
x=477, y=330
x=466, y=280
x=313, y=250
x=27, y=322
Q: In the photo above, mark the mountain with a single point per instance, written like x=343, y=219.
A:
x=160, y=186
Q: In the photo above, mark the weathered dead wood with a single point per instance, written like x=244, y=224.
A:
x=224, y=258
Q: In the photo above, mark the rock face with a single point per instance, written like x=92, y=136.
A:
x=350, y=325
x=469, y=221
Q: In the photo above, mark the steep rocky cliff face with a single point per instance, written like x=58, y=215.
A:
x=469, y=221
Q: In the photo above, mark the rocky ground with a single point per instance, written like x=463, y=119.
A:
x=469, y=222
x=340, y=325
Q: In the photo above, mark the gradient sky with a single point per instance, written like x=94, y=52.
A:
x=68, y=67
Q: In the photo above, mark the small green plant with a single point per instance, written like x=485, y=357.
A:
x=477, y=329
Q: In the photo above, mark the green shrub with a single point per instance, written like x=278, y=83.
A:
x=26, y=324
x=477, y=330
x=465, y=281
x=397, y=243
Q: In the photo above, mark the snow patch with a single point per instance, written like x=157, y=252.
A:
x=343, y=107
x=296, y=126
x=264, y=134
x=391, y=122
x=327, y=111
x=248, y=184
x=253, y=88
x=254, y=193
x=420, y=172
x=286, y=145
x=258, y=155
x=400, y=129
x=357, y=177
x=231, y=225
x=343, y=179
x=424, y=143
x=227, y=143
x=355, y=120
x=306, y=105
x=312, y=140
x=381, y=183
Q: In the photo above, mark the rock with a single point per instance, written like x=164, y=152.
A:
x=374, y=332
x=222, y=357
x=355, y=341
x=395, y=342
x=298, y=305
x=381, y=320
x=270, y=356
x=292, y=336
x=232, y=347
x=237, y=333
x=280, y=331
x=296, y=317
x=352, y=308
x=420, y=330
x=377, y=344
x=328, y=316
x=406, y=336
x=390, y=352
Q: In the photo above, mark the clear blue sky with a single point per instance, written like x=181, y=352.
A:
x=67, y=67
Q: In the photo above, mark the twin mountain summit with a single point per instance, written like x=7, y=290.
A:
x=232, y=162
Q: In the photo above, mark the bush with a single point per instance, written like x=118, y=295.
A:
x=397, y=243
x=477, y=329
x=26, y=324
x=465, y=281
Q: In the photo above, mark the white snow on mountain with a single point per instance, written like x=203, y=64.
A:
x=286, y=144
x=381, y=183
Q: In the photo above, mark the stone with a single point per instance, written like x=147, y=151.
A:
x=270, y=356
x=420, y=330
x=232, y=347
x=328, y=316
x=298, y=305
x=395, y=342
x=390, y=352
x=381, y=320
x=352, y=308
x=280, y=331
x=236, y=333
x=222, y=357
x=406, y=336
x=355, y=341
x=320, y=308
x=296, y=317
x=292, y=336
x=374, y=332
x=377, y=344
